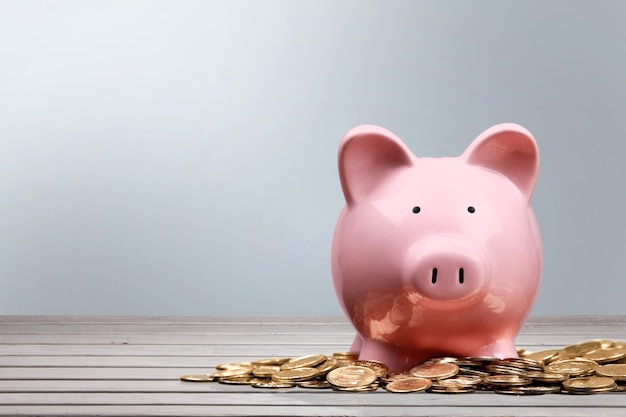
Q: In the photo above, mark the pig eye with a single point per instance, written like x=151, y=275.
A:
x=471, y=209
x=416, y=209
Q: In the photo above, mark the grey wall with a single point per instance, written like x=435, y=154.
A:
x=180, y=157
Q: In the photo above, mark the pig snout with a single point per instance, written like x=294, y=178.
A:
x=448, y=273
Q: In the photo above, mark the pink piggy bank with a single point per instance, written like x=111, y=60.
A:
x=436, y=256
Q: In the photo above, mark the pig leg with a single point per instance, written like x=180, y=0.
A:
x=503, y=348
x=396, y=359
x=356, y=345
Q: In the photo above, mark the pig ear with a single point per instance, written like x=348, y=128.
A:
x=509, y=149
x=368, y=155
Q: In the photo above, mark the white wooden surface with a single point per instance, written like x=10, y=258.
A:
x=130, y=366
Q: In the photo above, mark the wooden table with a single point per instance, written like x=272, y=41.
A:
x=113, y=366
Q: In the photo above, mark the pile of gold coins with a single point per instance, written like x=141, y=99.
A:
x=584, y=368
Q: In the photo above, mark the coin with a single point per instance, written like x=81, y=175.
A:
x=435, y=370
x=507, y=380
x=233, y=365
x=572, y=367
x=546, y=377
x=395, y=376
x=592, y=383
x=522, y=363
x=327, y=366
x=296, y=374
x=231, y=372
x=543, y=356
x=452, y=390
x=239, y=380
x=269, y=362
x=459, y=381
x=315, y=384
x=265, y=370
x=366, y=388
x=578, y=350
x=380, y=369
x=617, y=371
x=304, y=361
x=352, y=356
x=606, y=355
x=606, y=343
x=539, y=389
x=509, y=370
x=273, y=384
x=474, y=372
x=409, y=385
x=351, y=376
x=198, y=378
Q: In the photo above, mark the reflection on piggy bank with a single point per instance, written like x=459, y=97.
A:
x=436, y=256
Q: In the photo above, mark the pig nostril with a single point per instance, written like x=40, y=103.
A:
x=434, y=277
x=461, y=276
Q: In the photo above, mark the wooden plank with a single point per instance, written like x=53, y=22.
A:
x=278, y=339
x=590, y=325
x=273, y=319
x=285, y=397
x=86, y=373
x=196, y=362
x=177, y=339
x=130, y=366
x=278, y=410
x=251, y=350
x=175, y=320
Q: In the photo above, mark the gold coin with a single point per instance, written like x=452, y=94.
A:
x=619, y=388
x=198, y=378
x=617, y=371
x=435, y=370
x=379, y=368
x=459, y=381
x=273, y=384
x=233, y=365
x=522, y=363
x=304, y=361
x=452, y=390
x=473, y=372
x=507, y=380
x=265, y=371
x=352, y=356
x=591, y=383
x=351, y=376
x=395, y=376
x=327, y=366
x=539, y=389
x=543, y=356
x=315, y=384
x=296, y=374
x=606, y=355
x=231, y=372
x=579, y=349
x=409, y=385
x=546, y=377
x=572, y=367
x=606, y=343
x=367, y=388
x=239, y=380
x=269, y=362
x=509, y=370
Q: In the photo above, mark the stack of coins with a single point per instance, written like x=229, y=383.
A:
x=590, y=367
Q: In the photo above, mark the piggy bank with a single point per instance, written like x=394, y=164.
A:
x=436, y=257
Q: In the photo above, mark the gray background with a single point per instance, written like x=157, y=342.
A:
x=180, y=157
